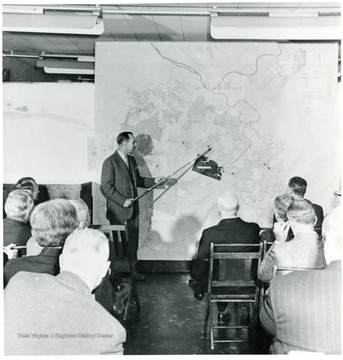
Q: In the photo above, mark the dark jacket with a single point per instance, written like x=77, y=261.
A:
x=46, y=262
x=228, y=231
x=16, y=232
x=119, y=183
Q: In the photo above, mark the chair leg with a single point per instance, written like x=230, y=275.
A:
x=206, y=323
x=127, y=304
x=211, y=325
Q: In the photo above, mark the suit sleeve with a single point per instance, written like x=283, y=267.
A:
x=108, y=187
x=265, y=270
x=267, y=315
x=143, y=182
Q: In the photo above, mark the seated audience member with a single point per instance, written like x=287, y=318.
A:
x=18, y=206
x=302, y=310
x=30, y=184
x=82, y=211
x=58, y=313
x=281, y=205
x=297, y=188
x=230, y=230
x=51, y=222
x=304, y=250
x=83, y=218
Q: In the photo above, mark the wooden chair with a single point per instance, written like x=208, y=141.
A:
x=236, y=282
x=122, y=263
x=280, y=270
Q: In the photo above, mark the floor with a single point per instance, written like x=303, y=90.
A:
x=171, y=321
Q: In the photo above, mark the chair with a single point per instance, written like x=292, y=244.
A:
x=122, y=263
x=236, y=282
x=280, y=270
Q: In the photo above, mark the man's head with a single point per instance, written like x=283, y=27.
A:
x=228, y=205
x=332, y=235
x=126, y=142
x=281, y=205
x=52, y=222
x=82, y=212
x=301, y=216
x=30, y=184
x=19, y=204
x=85, y=253
x=297, y=187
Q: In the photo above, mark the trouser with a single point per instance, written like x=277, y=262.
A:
x=130, y=242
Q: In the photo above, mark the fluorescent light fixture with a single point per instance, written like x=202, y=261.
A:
x=280, y=26
x=56, y=22
x=66, y=67
x=49, y=70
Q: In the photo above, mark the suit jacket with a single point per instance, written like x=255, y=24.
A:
x=320, y=217
x=62, y=312
x=119, y=183
x=16, y=232
x=302, y=311
x=304, y=250
x=228, y=231
x=46, y=262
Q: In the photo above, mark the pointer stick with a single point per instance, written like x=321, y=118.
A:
x=169, y=176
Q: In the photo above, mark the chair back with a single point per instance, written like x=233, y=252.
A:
x=234, y=269
x=280, y=270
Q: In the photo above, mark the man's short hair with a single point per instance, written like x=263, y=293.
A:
x=19, y=204
x=301, y=211
x=82, y=212
x=123, y=136
x=26, y=183
x=85, y=248
x=52, y=222
x=281, y=205
x=298, y=185
x=228, y=203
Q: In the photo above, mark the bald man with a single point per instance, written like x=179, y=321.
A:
x=47, y=315
x=230, y=230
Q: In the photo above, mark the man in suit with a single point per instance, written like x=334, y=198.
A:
x=119, y=181
x=297, y=188
x=302, y=310
x=304, y=250
x=48, y=315
x=230, y=230
x=51, y=221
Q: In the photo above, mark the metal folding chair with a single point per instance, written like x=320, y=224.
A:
x=232, y=279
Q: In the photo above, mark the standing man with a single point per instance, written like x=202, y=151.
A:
x=119, y=181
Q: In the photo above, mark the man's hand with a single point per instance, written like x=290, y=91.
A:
x=160, y=180
x=11, y=253
x=128, y=203
x=280, y=231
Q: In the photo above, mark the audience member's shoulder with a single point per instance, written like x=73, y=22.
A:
x=25, y=279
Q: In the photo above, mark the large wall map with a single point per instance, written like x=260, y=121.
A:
x=266, y=109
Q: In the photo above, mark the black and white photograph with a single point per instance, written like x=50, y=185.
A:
x=172, y=178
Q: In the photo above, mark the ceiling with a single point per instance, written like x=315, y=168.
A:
x=169, y=22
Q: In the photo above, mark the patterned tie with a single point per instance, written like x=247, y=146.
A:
x=126, y=160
